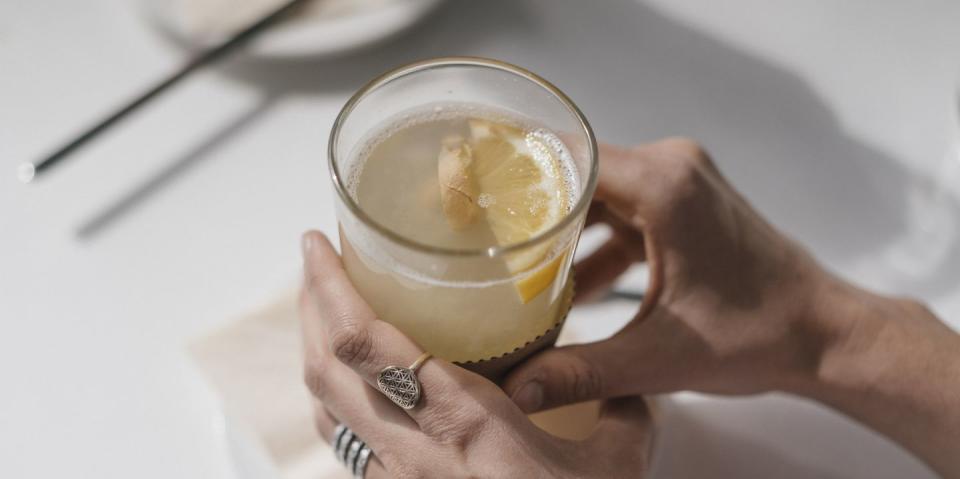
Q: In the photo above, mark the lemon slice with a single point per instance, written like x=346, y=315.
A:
x=522, y=194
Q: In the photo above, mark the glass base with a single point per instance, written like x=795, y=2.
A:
x=496, y=368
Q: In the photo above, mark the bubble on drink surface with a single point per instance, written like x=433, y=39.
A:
x=540, y=137
x=537, y=206
x=486, y=200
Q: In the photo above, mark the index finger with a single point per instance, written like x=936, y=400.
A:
x=618, y=180
x=360, y=340
x=630, y=184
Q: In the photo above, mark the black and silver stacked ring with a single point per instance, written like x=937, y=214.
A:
x=351, y=451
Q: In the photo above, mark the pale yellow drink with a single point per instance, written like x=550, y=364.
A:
x=526, y=182
x=460, y=207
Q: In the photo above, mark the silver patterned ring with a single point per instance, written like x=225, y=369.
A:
x=337, y=434
x=355, y=447
x=351, y=451
x=343, y=444
x=401, y=385
x=360, y=467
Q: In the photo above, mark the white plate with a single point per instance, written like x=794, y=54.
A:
x=312, y=37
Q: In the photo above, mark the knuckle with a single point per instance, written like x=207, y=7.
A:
x=686, y=148
x=686, y=170
x=312, y=279
x=457, y=427
x=315, y=378
x=684, y=184
x=408, y=471
x=915, y=306
x=352, y=344
x=585, y=381
x=684, y=161
x=404, y=465
x=321, y=426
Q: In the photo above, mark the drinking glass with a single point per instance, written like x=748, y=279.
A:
x=461, y=304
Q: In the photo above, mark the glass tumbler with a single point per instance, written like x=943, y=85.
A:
x=462, y=304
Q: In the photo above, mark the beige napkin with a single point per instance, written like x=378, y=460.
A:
x=255, y=364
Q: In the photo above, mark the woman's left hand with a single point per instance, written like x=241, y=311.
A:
x=463, y=425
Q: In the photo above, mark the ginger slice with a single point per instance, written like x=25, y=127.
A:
x=458, y=189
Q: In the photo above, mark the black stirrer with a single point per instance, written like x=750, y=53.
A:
x=28, y=171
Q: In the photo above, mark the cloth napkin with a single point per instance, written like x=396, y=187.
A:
x=255, y=365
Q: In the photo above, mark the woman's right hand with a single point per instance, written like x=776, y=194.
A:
x=735, y=307
x=728, y=309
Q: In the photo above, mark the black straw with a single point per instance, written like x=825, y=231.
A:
x=28, y=171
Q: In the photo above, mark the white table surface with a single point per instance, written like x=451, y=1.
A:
x=822, y=112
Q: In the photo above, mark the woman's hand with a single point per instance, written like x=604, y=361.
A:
x=728, y=309
x=734, y=307
x=464, y=425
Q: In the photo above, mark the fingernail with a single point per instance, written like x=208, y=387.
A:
x=529, y=397
x=306, y=242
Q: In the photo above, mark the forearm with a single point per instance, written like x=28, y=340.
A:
x=893, y=366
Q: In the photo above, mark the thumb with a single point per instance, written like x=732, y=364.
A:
x=570, y=375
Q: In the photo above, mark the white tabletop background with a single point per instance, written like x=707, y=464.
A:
x=829, y=115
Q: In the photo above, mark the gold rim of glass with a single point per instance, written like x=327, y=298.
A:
x=582, y=202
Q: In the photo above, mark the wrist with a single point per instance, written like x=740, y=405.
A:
x=890, y=364
x=847, y=325
x=873, y=344
x=831, y=327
